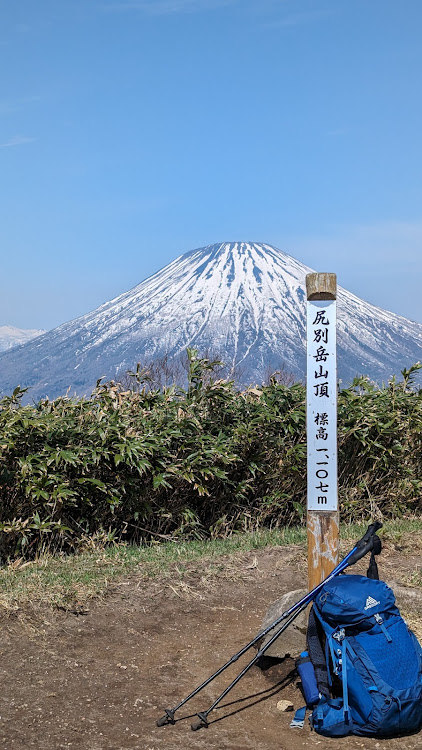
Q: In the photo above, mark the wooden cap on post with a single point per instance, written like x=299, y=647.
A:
x=321, y=285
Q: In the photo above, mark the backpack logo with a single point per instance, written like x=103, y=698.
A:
x=371, y=602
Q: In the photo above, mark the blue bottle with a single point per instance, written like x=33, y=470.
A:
x=307, y=675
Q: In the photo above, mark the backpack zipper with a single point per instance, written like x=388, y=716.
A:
x=378, y=619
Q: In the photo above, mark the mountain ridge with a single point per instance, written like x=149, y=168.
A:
x=10, y=336
x=243, y=301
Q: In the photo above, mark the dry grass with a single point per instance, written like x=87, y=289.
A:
x=187, y=568
x=414, y=622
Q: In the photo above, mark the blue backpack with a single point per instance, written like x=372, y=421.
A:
x=368, y=664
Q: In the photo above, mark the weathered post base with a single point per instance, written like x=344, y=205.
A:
x=323, y=535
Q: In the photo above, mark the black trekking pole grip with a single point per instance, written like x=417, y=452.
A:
x=371, y=531
x=367, y=543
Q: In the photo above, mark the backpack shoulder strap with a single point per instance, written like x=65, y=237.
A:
x=372, y=571
x=316, y=653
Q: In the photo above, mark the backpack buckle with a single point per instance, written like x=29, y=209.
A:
x=339, y=635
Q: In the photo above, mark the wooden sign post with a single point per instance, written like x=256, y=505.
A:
x=321, y=407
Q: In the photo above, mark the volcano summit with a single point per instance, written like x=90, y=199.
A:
x=244, y=302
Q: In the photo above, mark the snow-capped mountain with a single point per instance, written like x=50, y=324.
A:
x=242, y=301
x=11, y=336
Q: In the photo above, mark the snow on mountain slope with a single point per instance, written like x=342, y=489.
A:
x=11, y=336
x=244, y=302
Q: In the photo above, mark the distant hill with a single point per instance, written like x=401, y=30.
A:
x=10, y=336
x=243, y=301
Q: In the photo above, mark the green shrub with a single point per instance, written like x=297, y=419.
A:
x=148, y=463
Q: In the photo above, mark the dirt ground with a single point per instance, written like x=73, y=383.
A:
x=99, y=681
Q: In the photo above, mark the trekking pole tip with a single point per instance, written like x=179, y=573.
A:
x=168, y=718
x=200, y=722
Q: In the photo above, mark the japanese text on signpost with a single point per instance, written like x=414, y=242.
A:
x=322, y=405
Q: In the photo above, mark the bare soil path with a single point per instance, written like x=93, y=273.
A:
x=100, y=681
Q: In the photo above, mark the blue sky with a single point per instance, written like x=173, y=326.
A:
x=134, y=130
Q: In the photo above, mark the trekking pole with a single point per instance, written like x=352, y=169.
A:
x=365, y=545
x=203, y=715
x=362, y=547
x=168, y=718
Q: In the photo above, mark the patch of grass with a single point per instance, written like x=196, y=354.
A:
x=67, y=582
x=72, y=581
x=160, y=556
x=416, y=578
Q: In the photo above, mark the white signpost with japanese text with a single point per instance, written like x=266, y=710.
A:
x=321, y=420
x=321, y=401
